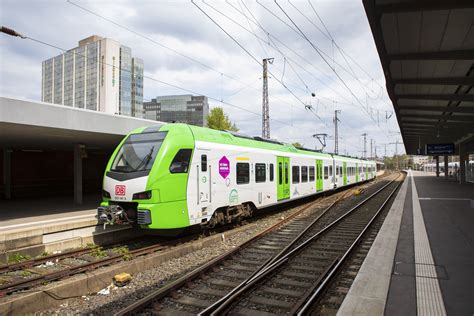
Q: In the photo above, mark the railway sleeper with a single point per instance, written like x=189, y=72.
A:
x=265, y=301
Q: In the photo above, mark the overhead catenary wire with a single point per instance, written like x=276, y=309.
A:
x=164, y=46
x=324, y=59
x=162, y=82
x=250, y=54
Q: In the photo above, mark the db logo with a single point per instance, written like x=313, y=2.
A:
x=119, y=190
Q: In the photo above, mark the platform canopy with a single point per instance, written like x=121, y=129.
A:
x=427, y=53
x=27, y=125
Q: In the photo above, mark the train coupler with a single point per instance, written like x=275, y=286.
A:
x=112, y=215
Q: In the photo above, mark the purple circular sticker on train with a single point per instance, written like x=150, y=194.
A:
x=224, y=167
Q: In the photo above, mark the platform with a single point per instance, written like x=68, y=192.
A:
x=35, y=226
x=422, y=260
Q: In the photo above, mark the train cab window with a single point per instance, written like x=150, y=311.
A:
x=180, y=163
x=286, y=173
x=203, y=163
x=304, y=174
x=260, y=172
x=326, y=172
x=280, y=173
x=243, y=173
x=271, y=173
x=295, y=171
x=311, y=174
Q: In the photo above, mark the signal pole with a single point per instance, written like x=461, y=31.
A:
x=336, y=142
x=265, y=105
x=365, y=144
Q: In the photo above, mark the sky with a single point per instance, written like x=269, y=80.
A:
x=321, y=48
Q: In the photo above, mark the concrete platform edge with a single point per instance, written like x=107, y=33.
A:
x=368, y=293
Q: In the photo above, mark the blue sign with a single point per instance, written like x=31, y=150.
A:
x=440, y=149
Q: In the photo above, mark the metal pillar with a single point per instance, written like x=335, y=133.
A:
x=462, y=164
x=7, y=173
x=336, y=135
x=446, y=169
x=78, y=150
x=437, y=166
x=365, y=145
x=265, y=105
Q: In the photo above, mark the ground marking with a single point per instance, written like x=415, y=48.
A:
x=428, y=292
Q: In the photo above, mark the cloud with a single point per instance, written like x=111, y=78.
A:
x=224, y=71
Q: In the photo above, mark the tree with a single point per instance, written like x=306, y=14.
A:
x=217, y=119
x=297, y=145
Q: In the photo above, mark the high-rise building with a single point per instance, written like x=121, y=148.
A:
x=99, y=74
x=178, y=108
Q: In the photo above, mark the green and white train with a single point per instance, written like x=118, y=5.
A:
x=176, y=176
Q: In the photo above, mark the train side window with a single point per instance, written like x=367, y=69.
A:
x=180, y=163
x=330, y=171
x=271, y=172
x=295, y=172
x=311, y=174
x=286, y=173
x=304, y=174
x=340, y=170
x=243, y=173
x=337, y=170
x=260, y=172
x=326, y=172
x=203, y=163
x=280, y=173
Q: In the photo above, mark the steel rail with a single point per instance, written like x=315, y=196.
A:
x=220, y=306
x=173, y=286
x=8, y=288
x=325, y=281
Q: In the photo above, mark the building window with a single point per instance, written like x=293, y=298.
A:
x=271, y=173
x=295, y=170
x=243, y=173
x=260, y=172
x=311, y=174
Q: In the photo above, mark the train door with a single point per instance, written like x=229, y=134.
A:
x=357, y=172
x=204, y=180
x=344, y=173
x=319, y=175
x=283, y=183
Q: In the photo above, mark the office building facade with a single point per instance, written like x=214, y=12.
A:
x=97, y=75
x=179, y=109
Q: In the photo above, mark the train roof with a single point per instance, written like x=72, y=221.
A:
x=239, y=139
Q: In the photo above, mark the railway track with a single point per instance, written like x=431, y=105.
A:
x=277, y=272
x=30, y=273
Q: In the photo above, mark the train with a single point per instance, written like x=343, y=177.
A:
x=165, y=179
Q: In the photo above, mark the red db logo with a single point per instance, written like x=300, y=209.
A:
x=119, y=190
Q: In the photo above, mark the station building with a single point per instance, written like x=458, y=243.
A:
x=100, y=74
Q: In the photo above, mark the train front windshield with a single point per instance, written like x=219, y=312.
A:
x=138, y=152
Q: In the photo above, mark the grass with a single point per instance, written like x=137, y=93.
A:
x=123, y=250
x=18, y=257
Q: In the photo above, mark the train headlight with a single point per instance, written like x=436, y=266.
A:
x=105, y=194
x=146, y=195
